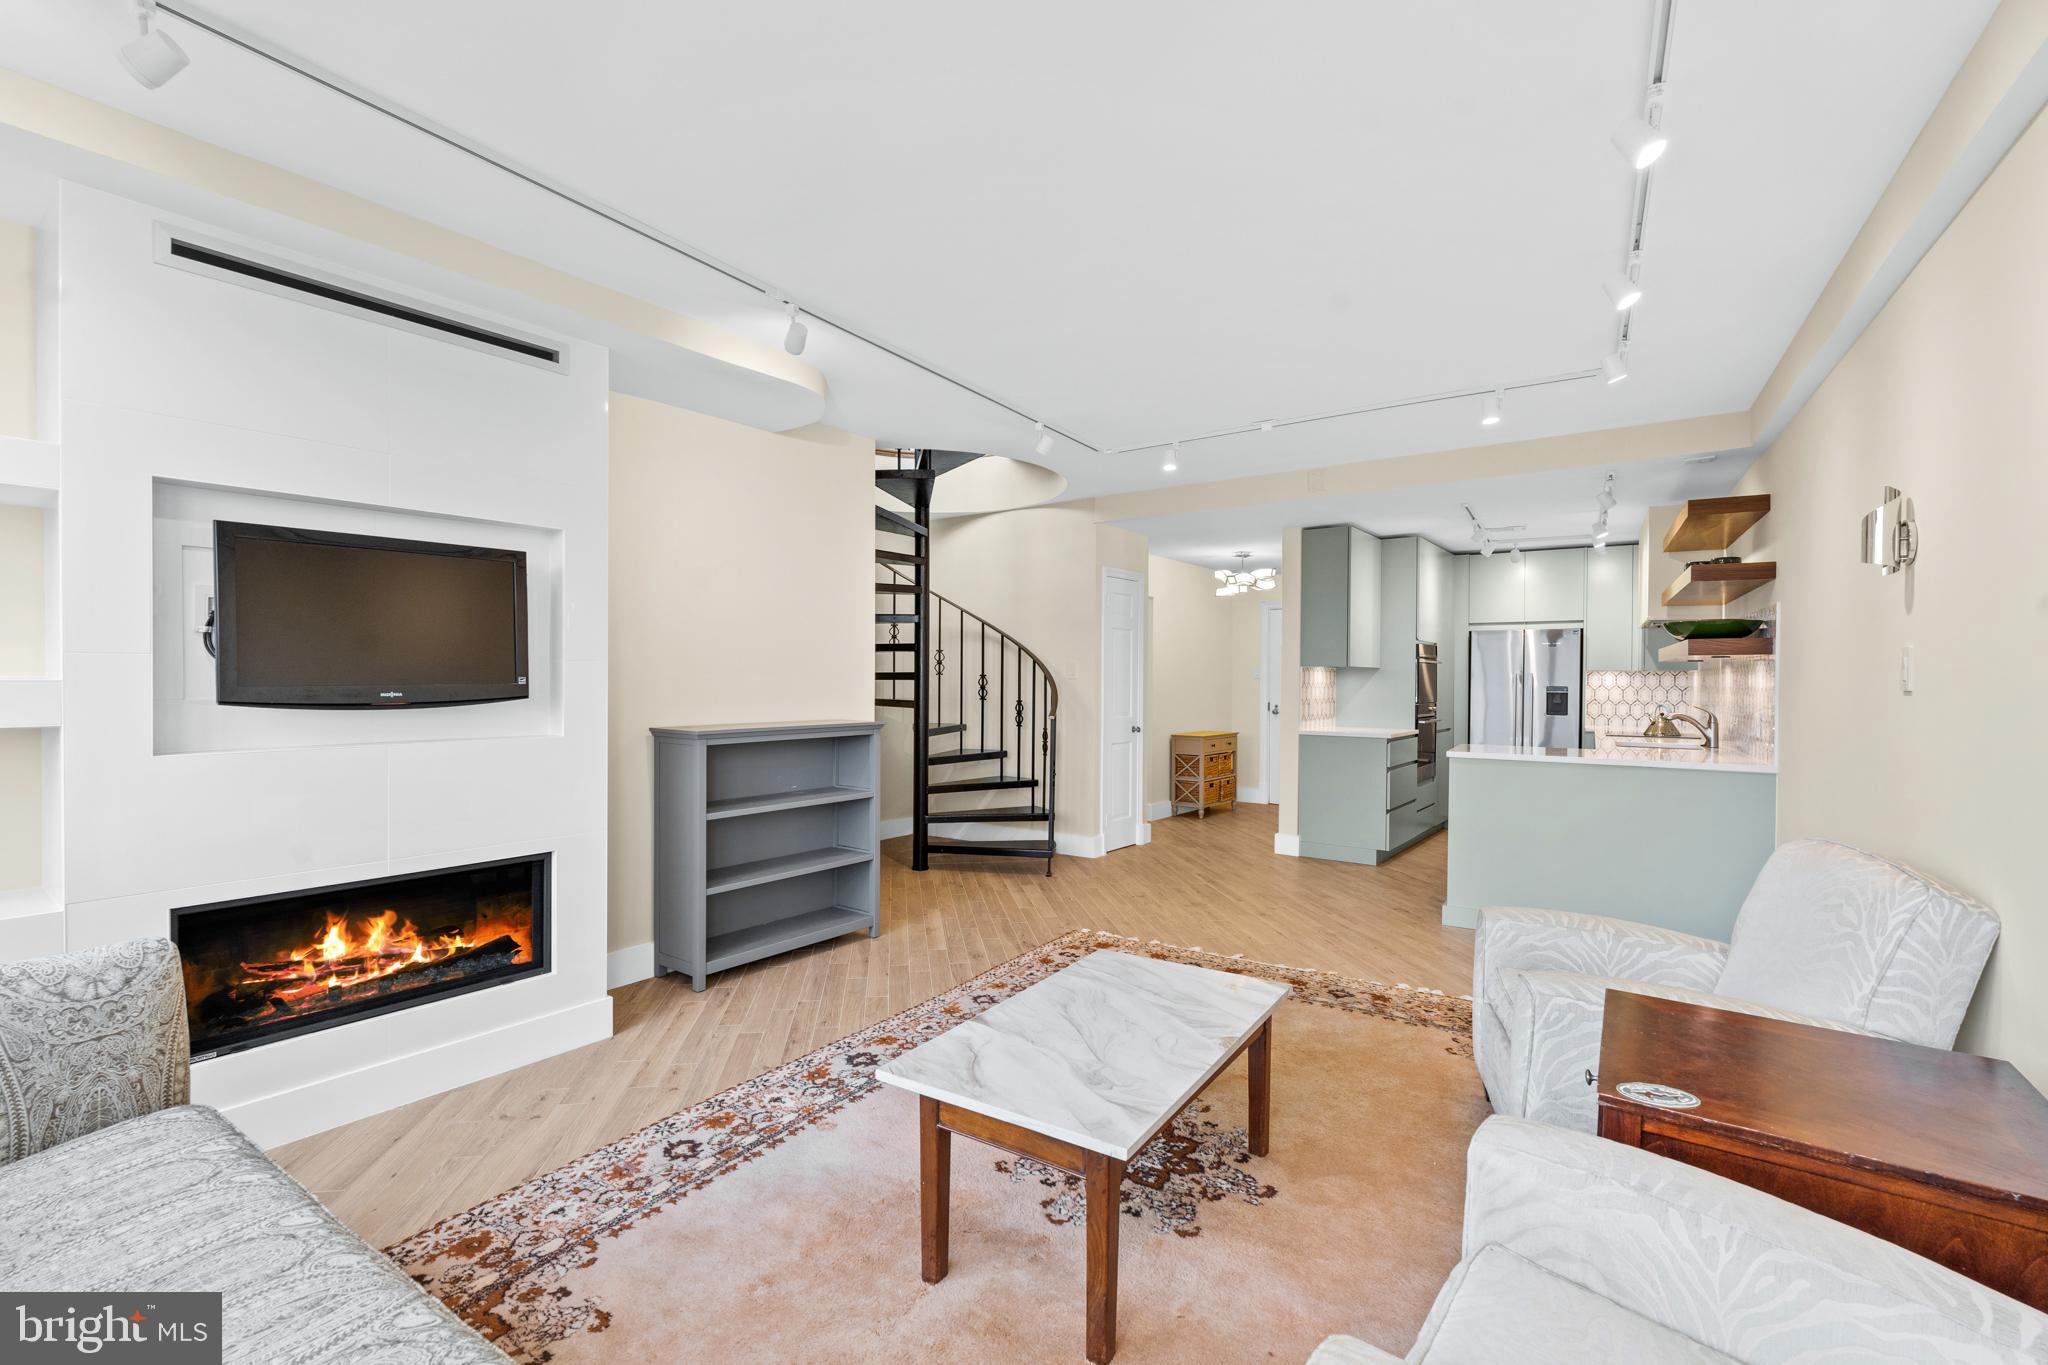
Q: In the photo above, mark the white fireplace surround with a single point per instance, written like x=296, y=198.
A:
x=182, y=397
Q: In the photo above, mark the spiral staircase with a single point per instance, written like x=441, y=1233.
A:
x=984, y=708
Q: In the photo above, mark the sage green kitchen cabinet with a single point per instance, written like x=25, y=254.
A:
x=1340, y=598
x=1614, y=643
x=1553, y=585
x=1495, y=590
x=1433, y=595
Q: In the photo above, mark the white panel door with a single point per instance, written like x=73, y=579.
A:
x=1123, y=748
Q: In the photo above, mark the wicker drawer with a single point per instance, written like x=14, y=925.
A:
x=1222, y=764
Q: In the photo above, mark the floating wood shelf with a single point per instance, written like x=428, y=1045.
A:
x=1714, y=523
x=1716, y=585
x=1686, y=651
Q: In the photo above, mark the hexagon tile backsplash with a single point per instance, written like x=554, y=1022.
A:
x=1628, y=701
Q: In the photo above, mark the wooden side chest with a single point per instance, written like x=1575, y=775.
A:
x=1204, y=771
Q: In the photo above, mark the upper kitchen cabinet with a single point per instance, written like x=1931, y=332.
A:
x=1340, y=598
x=1434, y=617
x=1614, y=643
x=1554, y=585
x=1495, y=590
x=1548, y=585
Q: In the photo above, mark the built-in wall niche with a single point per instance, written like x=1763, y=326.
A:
x=186, y=716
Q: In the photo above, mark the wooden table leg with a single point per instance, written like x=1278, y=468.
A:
x=1103, y=1176
x=1259, y=1063
x=935, y=1186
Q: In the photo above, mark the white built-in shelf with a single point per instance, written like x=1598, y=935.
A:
x=739, y=946
x=28, y=471
x=29, y=901
x=760, y=805
x=31, y=703
x=781, y=867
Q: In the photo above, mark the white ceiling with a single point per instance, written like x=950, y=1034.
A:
x=1555, y=507
x=1136, y=221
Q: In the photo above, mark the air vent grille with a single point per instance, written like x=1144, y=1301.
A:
x=276, y=279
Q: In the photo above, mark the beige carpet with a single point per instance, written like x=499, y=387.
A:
x=778, y=1221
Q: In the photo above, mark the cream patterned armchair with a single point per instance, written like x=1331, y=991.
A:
x=1579, y=1251
x=1829, y=935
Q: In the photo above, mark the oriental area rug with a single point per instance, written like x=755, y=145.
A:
x=778, y=1220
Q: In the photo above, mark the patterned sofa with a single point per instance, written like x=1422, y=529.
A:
x=1829, y=935
x=110, y=1181
x=1579, y=1251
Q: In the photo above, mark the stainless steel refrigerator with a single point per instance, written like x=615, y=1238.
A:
x=1527, y=687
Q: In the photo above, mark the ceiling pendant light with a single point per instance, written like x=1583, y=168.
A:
x=1172, y=459
x=1044, y=446
x=1639, y=143
x=154, y=57
x=1489, y=409
x=793, y=339
x=1245, y=579
x=1614, y=368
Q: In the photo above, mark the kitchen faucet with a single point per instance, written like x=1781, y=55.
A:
x=1710, y=732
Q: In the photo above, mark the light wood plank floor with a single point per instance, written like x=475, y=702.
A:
x=1212, y=884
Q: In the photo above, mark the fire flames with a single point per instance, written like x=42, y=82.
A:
x=348, y=955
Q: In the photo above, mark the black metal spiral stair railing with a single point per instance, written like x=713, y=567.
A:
x=985, y=708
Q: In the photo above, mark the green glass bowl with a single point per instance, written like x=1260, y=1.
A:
x=1719, y=628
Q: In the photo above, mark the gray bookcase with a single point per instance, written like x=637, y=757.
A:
x=766, y=838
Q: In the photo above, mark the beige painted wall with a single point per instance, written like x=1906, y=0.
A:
x=17, y=329
x=1942, y=397
x=21, y=809
x=1284, y=789
x=21, y=591
x=21, y=568
x=740, y=563
x=1201, y=669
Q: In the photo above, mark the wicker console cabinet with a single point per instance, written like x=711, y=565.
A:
x=766, y=838
x=1204, y=767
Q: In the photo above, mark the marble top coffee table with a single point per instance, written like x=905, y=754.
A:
x=1080, y=1071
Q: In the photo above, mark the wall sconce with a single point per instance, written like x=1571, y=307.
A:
x=1890, y=539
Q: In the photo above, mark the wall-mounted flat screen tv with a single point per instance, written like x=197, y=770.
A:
x=325, y=619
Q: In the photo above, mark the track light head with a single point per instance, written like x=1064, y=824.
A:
x=1486, y=549
x=1639, y=143
x=1489, y=409
x=1623, y=292
x=1606, y=498
x=793, y=339
x=1515, y=553
x=1044, y=446
x=1172, y=459
x=1266, y=425
x=1614, y=368
x=153, y=57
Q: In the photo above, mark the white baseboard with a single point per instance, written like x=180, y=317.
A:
x=1252, y=796
x=898, y=828
x=624, y=966
x=1144, y=833
x=1287, y=845
x=288, y=1115
x=1159, y=810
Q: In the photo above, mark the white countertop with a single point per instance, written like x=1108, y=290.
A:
x=1100, y=1054
x=1715, y=760
x=1360, y=732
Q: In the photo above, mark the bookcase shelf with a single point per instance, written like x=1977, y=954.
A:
x=766, y=839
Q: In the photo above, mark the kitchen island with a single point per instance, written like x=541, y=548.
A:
x=1665, y=836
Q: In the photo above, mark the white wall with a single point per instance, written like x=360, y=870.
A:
x=170, y=376
x=741, y=562
x=1943, y=398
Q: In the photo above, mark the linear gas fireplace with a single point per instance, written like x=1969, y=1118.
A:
x=268, y=967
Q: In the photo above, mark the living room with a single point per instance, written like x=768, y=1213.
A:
x=838, y=693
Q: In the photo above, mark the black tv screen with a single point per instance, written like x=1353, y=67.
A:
x=325, y=619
